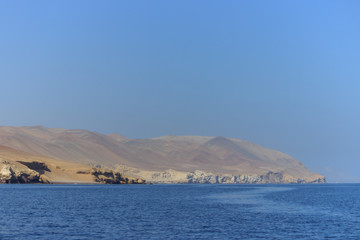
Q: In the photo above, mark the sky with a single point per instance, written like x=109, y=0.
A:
x=282, y=74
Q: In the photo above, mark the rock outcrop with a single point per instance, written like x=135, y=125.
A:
x=197, y=176
x=111, y=177
x=270, y=177
x=33, y=172
x=21, y=167
x=13, y=174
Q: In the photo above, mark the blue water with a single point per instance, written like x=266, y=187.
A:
x=180, y=211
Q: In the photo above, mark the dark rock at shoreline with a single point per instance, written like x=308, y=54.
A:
x=111, y=177
x=10, y=174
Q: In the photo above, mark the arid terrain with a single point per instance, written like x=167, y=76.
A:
x=168, y=159
x=21, y=167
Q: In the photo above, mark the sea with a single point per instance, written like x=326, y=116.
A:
x=324, y=211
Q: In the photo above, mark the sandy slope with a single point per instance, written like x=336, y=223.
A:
x=218, y=155
x=49, y=170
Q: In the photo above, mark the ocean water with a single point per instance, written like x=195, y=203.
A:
x=329, y=211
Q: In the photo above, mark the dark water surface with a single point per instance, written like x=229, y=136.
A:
x=330, y=211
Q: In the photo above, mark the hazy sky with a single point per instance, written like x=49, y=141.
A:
x=282, y=74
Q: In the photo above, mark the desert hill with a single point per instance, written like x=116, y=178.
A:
x=21, y=167
x=162, y=159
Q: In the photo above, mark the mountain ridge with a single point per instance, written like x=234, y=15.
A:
x=185, y=155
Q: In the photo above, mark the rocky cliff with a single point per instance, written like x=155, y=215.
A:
x=270, y=177
x=21, y=167
x=33, y=172
x=10, y=173
x=198, y=176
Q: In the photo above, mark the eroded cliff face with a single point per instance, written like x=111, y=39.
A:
x=112, y=177
x=173, y=176
x=40, y=172
x=270, y=177
x=20, y=167
x=10, y=173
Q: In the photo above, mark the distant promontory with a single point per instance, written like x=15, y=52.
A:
x=37, y=154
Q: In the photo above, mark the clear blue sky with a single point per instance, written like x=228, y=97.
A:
x=282, y=74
